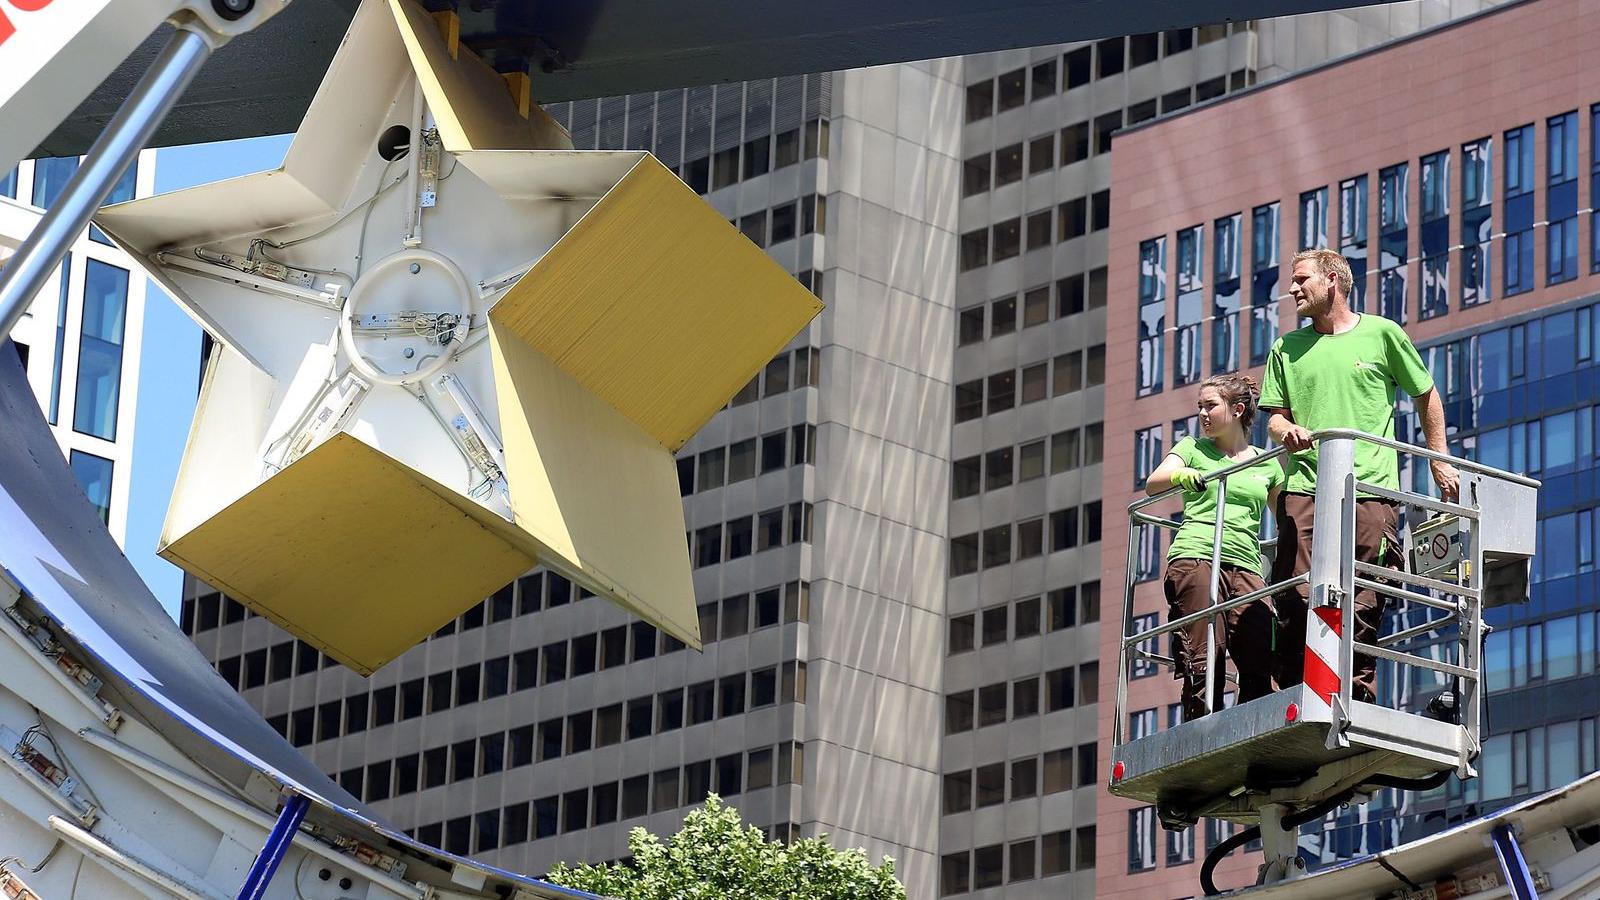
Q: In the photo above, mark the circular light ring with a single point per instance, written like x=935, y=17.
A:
x=405, y=257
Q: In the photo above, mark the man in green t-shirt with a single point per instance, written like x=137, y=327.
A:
x=1341, y=371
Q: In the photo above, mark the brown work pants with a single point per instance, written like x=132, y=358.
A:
x=1245, y=632
x=1377, y=542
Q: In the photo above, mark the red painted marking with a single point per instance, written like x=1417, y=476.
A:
x=1329, y=616
x=1117, y=770
x=1320, y=678
x=1292, y=714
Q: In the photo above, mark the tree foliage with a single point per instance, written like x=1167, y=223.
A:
x=716, y=856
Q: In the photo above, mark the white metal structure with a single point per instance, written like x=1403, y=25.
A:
x=1285, y=759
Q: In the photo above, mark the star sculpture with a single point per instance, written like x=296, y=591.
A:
x=449, y=348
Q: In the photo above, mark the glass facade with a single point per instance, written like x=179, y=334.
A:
x=50, y=177
x=94, y=476
x=1518, y=251
x=1561, y=198
x=1434, y=287
x=1393, y=242
x=1263, y=281
x=1225, y=294
x=1191, y=305
x=1152, y=314
x=105, y=303
x=1353, y=236
x=60, y=339
x=1313, y=220
x=1477, y=221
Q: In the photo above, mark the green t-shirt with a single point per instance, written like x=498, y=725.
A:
x=1345, y=381
x=1241, y=521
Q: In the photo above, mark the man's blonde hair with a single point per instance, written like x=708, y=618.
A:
x=1331, y=265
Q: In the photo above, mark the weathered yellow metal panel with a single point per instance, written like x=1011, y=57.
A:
x=354, y=552
x=598, y=494
x=468, y=99
x=657, y=305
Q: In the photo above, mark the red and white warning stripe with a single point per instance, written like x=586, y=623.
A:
x=1321, y=673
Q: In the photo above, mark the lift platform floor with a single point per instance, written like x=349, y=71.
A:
x=1194, y=768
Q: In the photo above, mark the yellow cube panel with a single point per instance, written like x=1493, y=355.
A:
x=657, y=305
x=353, y=553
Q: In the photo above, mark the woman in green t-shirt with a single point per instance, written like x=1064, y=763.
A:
x=1227, y=405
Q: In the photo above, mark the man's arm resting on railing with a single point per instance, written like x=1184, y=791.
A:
x=1431, y=410
x=1281, y=425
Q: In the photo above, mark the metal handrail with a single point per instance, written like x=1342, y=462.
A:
x=1469, y=596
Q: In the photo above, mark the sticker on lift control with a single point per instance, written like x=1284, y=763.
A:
x=1435, y=545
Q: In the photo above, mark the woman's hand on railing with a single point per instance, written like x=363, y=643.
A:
x=1295, y=437
x=1187, y=478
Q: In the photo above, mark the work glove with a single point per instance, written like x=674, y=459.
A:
x=1187, y=478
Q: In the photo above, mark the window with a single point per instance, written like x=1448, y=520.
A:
x=1077, y=67
x=971, y=327
x=1313, y=219
x=1030, y=461
x=1225, y=294
x=1100, y=211
x=1433, y=288
x=1073, y=221
x=1021, y=865
x=1013, y=89
x=957, y=792
x=1141, y=839
x=1059, y=689
x=1039, y=227
x=1043, y=80
x=754, y=227
x=1068, y=373
x=966, y=477
x=1105, y=126
x=1001, y=391
x=980, y=100
x=1074, y=143
x=1024, y=778
x=1055, y=853
x=998, y=469
x=996, y=624
x=774, y=451
x=996, y=546
x=1142, y=666
x=735, y=616
x=1518, y=202
x=962, y=630
x=105, y=301
x=702, y=700
x=1477, y=195
x=974, y=249
x=1143, y=49
x=731, y=696
x=1147, y=453
x=1097, y=288
x=786, y=151
x=1176, y=100
x=963, y=555
x=757, y=156
x=50, y=177
x=1263, y=281
x=1152, y=314
x=1007, y=239
x=1025, y=698
x=94, y=476
x=1110, y=56
x=1353, y=236
x=1393, y=222
x=1561, y=198
x=1007, y=165
x=1003, y=316
x=1142, y=112
x=1036, y=306
x=976, y=175
x=955, y=873
x=1030, y=538
x=1191, y=305
x=724, y=168
x=958, y=712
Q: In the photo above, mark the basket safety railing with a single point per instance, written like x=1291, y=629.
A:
x=1335, y=575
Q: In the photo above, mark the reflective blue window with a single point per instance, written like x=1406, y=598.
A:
x=61, y=339
x=121, y=193
x=1152, y=314
x=1225, y=294
x=50, y=177
x=105, y=305
x=1561, y=198
x=1263, y=281
x=1518, y=260
x=1477, y=225
x=1353, y=236
x=8, y=184
x=1434, y=288
x=1594, y=188
x=1313, y=219
x=94, y=476
x=1393, y=242
x=1191, y=305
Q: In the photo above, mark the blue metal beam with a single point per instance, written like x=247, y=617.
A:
x=1512, y=865
x=272, y=852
